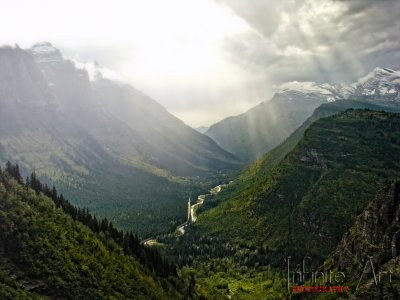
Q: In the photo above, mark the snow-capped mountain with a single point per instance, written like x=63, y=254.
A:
x=325, y=90
x=265, y=126
x=380, y=84
x=68, y=84
x=45, y=52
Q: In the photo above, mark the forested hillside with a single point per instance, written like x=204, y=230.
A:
x=263, y=165
x=299, y=205
x=375, y=236
x=316, y=190
x=49, y=249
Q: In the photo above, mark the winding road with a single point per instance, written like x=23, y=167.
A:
x=180, y=230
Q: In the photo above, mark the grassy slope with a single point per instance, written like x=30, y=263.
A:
x=303, y=204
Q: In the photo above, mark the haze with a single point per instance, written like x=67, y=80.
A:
x=205, y=60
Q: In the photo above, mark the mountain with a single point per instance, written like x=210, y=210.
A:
x=382, y=84
x=46, y=253
x=106, y=145
x=297, y=200
x=375, y=236
x=265, y=126
x=274, y=156
x=156, y=136
x=297, y=205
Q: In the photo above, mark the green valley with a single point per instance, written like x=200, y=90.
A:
x=199, y=150
x=298, y=200
x=104, y=144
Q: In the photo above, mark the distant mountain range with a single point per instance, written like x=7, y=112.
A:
x=265, y=126
x=106, y=145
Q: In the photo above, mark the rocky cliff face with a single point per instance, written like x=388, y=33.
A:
x=375, y=233
x=374, y=240
x=21, y=81
x=69, y=85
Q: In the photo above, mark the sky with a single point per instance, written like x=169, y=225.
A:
x=205, y=60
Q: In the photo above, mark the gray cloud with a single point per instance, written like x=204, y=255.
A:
x=196, y=56
x=262, y=15
x=359, y=6
x=334, y=41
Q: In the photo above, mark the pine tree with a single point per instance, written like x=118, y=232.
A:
x=17, y=174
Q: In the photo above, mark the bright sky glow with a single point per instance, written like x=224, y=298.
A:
x=208, y=59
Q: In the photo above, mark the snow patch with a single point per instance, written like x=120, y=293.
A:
x=44, y=48
x=305, y=87
x=96, y=71
x=379, y=82
x=45, y=52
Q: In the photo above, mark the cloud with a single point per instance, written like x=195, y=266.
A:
x=200, y=55
x=264, y=16
x=335, y=40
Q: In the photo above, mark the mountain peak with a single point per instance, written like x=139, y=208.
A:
x=309, y=89
x=45, y=52
x=383, y=70
x=380, y=82
x=305, y=87
x=43, y=47
x=377, y=73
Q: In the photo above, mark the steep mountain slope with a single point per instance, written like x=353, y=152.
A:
x=158, y=137
x=107, y=146
x=270, y=159
x=265, y=126
x=45, y=254
x=302, y=205
x=375, y=235
x=105, y=107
